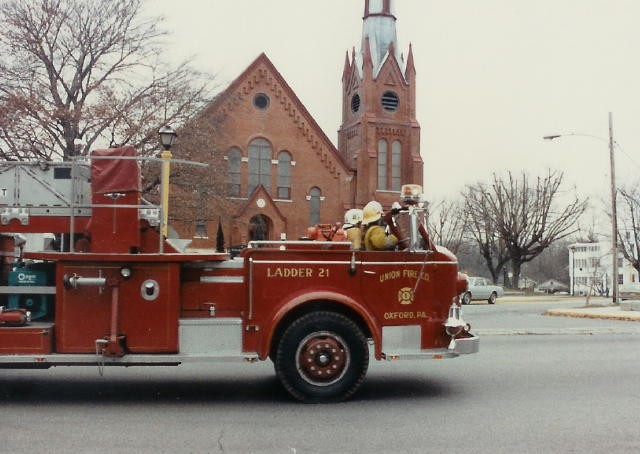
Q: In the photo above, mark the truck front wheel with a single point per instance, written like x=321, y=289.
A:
x=322, y=357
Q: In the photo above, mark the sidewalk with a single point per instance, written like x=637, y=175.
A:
x=609, y=312
x=598, y=307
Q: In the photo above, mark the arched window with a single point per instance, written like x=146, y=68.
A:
x=259, y=165
x=284, y=175
x=382, y=164
x=234, y=157
x=396, y=165
x=315, y=195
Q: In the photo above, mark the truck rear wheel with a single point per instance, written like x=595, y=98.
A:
x=322, y=357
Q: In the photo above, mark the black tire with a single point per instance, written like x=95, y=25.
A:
x=466, y=298
x=322, y=357
x=492, y=298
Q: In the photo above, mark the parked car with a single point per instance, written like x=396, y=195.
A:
x=481, y=288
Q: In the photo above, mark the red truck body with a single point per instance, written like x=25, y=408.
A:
x=315, y=308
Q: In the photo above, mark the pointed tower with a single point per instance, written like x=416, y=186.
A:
x=380, y=136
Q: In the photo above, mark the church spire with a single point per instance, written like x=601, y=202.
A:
x=379, y=27
x=378, y=7
x=379, y=136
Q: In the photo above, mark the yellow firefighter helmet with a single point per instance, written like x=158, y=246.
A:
x=371, y=212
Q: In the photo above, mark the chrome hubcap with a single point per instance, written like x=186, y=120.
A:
x=322, y=358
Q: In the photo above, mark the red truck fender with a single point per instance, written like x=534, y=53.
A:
x=351, y=306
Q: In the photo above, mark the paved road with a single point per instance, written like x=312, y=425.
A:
x=521, y=393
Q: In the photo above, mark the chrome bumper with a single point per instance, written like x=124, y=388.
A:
x=467, y=345
x=464, y=346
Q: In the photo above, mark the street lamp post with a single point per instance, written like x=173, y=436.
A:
x=614, y=215
x=167, y=139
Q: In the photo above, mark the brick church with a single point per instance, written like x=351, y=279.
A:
x=281, y=172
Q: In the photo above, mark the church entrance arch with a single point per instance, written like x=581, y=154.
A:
x=260, y=228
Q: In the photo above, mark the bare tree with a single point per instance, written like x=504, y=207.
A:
x=89, y=71
x=526, y=216
x=481, y=226
x=629, y=226
x=552, y=263
x=447, y=223
x=469, y=258
x=588, y=233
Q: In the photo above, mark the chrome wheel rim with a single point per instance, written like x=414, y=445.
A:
x=322, y=358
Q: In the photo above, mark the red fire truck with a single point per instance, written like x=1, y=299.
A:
x=112, y=291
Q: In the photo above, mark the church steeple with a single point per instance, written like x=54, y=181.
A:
x=379, y=30
x=380, y=136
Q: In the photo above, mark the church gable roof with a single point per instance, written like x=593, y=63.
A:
x=390, y=72
x=251, y=207
x=262, y=71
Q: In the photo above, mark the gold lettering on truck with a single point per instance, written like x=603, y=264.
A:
x=404, y=273
x=296, y=272
x=406, y=315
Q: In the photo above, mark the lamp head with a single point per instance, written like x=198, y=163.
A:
x=167, y=136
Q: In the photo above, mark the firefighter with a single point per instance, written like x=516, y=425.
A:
x=353, y=227
x=376, y=237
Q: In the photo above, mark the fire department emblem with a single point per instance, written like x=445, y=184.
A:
x=405, y=295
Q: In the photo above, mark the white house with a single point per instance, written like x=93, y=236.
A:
x=590, y=270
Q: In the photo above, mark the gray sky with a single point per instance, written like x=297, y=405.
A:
x=494, y=76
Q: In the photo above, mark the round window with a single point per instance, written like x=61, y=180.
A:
x=355, y=103
x=261, y=101
x=390, y=101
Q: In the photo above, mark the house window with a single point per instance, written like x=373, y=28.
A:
x=259, y=165
x=620, y=279
x=315, y=196
x=234, y=157
x=396, y=152
x=382, y=164
x=284, y=175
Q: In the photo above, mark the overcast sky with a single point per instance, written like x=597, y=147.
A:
x=494, y=76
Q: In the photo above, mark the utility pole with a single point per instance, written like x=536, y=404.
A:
x=614, y=215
